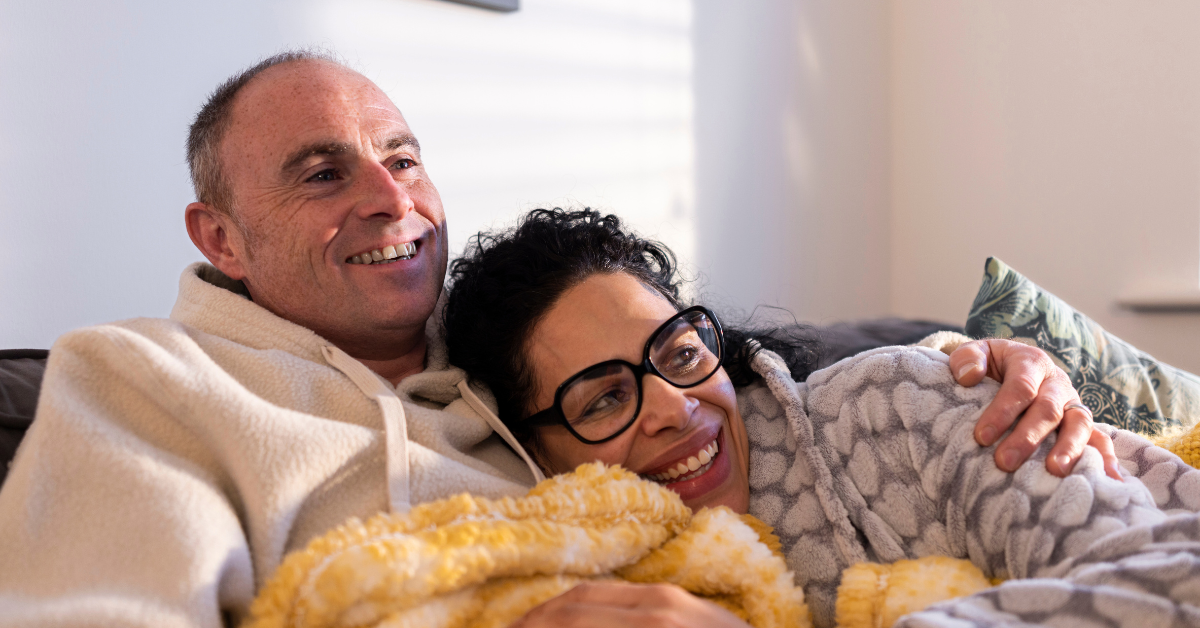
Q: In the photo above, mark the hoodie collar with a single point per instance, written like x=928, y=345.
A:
x=215, y=304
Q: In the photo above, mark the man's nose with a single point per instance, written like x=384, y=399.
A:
x=664, y=406
x=380, y=195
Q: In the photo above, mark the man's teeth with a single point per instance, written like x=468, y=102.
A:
x=693, y=467
x=386, y=254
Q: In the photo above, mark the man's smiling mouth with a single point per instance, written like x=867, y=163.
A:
x=386, y=255
x=695, y=466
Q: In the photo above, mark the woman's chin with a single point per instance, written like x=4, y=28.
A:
x=736, y=501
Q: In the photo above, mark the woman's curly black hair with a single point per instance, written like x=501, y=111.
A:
x=506, y=282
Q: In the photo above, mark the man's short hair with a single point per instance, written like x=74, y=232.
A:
x=211, y=123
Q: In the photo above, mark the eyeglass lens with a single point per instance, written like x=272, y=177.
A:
x=602, y=401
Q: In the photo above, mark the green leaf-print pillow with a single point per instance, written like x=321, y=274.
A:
x=1123, y=386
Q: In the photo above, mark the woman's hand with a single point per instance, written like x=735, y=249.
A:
x=625, y=605
x=1035, y=390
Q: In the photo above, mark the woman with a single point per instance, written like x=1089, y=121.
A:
x=577, y=327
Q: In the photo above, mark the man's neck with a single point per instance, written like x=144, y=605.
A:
x=393, y=354
x=393, y=361
x=396, y=369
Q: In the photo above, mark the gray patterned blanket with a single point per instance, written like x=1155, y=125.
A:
x=873, y=459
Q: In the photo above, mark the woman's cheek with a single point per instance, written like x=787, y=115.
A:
x=741, y=460
x=563, y=453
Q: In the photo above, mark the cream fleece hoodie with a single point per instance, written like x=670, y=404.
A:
x=174, y=461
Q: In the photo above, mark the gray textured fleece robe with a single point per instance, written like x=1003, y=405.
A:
x=873, y=459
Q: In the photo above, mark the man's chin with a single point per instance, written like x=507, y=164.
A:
x=365, y=320
x=398, y=313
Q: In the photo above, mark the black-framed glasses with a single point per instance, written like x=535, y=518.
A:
x=600, y=402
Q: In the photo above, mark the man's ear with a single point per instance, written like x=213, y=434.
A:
x=217, y=237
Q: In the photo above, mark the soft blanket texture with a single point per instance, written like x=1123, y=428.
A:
x=873, y=460
x=475, y=562
x=876, y=596
x=175, y=461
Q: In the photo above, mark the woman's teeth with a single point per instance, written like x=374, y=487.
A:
x=386, y=254
x=693, y=467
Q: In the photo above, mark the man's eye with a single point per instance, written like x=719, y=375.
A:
x=324, y=176
x=403, y=164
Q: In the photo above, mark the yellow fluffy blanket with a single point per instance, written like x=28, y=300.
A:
x=474, y=562
x=875, y=596
x=471, y=562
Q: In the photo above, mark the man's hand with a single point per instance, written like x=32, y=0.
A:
x=625, y=605
x=1030, y=383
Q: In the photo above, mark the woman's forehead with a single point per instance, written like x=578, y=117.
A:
x=612, y=299
x=604, y=317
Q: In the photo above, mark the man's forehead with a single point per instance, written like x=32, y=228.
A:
x=314, y=101
x=310, y=78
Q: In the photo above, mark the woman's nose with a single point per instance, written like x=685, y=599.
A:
x=664, y=406
x=381, y=195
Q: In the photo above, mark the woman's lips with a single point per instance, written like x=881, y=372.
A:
x=704, y=479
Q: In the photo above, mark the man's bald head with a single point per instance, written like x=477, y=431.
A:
x=313, y=193
x=208, y=129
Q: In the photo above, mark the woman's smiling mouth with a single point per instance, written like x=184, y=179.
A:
x=693, y=467
x=694, y=478
x=386, y=255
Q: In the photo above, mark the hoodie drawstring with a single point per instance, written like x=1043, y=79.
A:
x=499, y=427
x=395, y=426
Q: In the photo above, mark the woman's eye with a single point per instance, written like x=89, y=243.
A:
x=684, y=357
x=606, y=403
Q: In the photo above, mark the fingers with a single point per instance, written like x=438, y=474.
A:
x=969, y=362
x=585, y=605
x=1073, y=435
x=622, y=594
x=557, y=614
x=603, y=604
x=1103, y=443
x=1040, y=419
x=1033, y=392
x=1021, y=371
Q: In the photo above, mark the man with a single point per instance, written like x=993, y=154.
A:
x=299, y=380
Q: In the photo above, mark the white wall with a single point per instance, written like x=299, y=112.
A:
x=851, y=158
x=579, y=101
x=857, y=158
x=792, y=155
x=1062, y=137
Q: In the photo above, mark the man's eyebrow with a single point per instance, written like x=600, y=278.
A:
x=319, y=148
x=402, y=140
x=338, y=148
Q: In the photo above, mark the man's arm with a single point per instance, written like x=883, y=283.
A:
x=111, y=515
